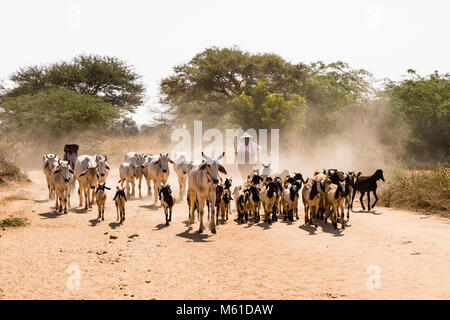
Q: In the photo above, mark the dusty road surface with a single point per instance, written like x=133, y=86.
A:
x=385, y=254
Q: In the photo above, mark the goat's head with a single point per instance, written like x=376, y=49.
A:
x=120, y=194
x=101, y=188
x=379, y=174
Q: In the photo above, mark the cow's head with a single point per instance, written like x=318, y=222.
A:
x=64, y=170
x=213, y=167
x=102, y=165
x=140, y=160
x=185, y=167
x=163, y=162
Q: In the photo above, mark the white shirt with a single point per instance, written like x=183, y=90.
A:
x=252, y=148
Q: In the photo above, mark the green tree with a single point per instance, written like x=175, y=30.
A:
x=424, y=104
x=108, y=78
x=204, y=87
x=54, y=112
x=262, y=109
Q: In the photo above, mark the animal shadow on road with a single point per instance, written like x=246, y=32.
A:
x=328, y=228
x=366, y=211
x=50, y=215
x=114, y=225
x=264, y=225
x=310, y=229
x=94, y=222
x=81, y=210
x=42, y=201
x=194, y=236
x=160, y=226
x=152, y=207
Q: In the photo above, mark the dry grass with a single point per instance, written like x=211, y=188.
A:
x=427, y=191
x=10, y=172
x=13, y=197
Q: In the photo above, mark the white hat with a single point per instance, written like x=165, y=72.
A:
x=245, y=135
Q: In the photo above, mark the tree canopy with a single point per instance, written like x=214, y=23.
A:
x=54, y=112
x=108, y=78
x=206, y=86
x=424, y=104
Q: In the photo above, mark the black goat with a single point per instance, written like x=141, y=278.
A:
x=367, y=184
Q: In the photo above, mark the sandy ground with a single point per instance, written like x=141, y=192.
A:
x=149, y=260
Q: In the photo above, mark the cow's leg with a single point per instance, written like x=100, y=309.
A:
x=213, y=213
x=65, y=200
x=80, y=193
x=156, y=189
x=92, y=196
x=342, y=216
x=86, y=196
x=201, y=207
x=376, y=198
x=117, y=211
x=368, y=200
x=123, y=213
x=192, y=199
x=149, y=186
x=361, y=200
x=306, y=209
x=139, y=186
x=133, y=187
x=56, y=204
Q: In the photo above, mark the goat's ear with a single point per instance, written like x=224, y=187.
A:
x=107, y=188
x=70, y=170
x=57, y=171
x=107, y=167
x=157, y=162
x=203, y=166
x=83, y=173
x=222, y=169
x=170, y=160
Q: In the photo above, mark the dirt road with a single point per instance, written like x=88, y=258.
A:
x=385, y=254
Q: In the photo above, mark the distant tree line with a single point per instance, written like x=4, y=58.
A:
x=227, y=88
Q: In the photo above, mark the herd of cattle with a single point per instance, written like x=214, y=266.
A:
x=323, y=195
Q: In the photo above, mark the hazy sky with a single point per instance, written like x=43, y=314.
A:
x=384, y=37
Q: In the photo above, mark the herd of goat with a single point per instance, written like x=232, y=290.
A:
x=324, y=195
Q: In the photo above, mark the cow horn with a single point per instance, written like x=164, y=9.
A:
x=221, y=156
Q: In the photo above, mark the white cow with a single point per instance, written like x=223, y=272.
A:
x=49, y=162
x=61, y=179
x=102, y=168
x=182, y=167
x=158, y=171
x=139, y=161
x=127, y=174
x=87, y=177
x=202, y=183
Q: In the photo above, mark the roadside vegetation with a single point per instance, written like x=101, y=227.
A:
x=13, y=222
x=427, y=191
